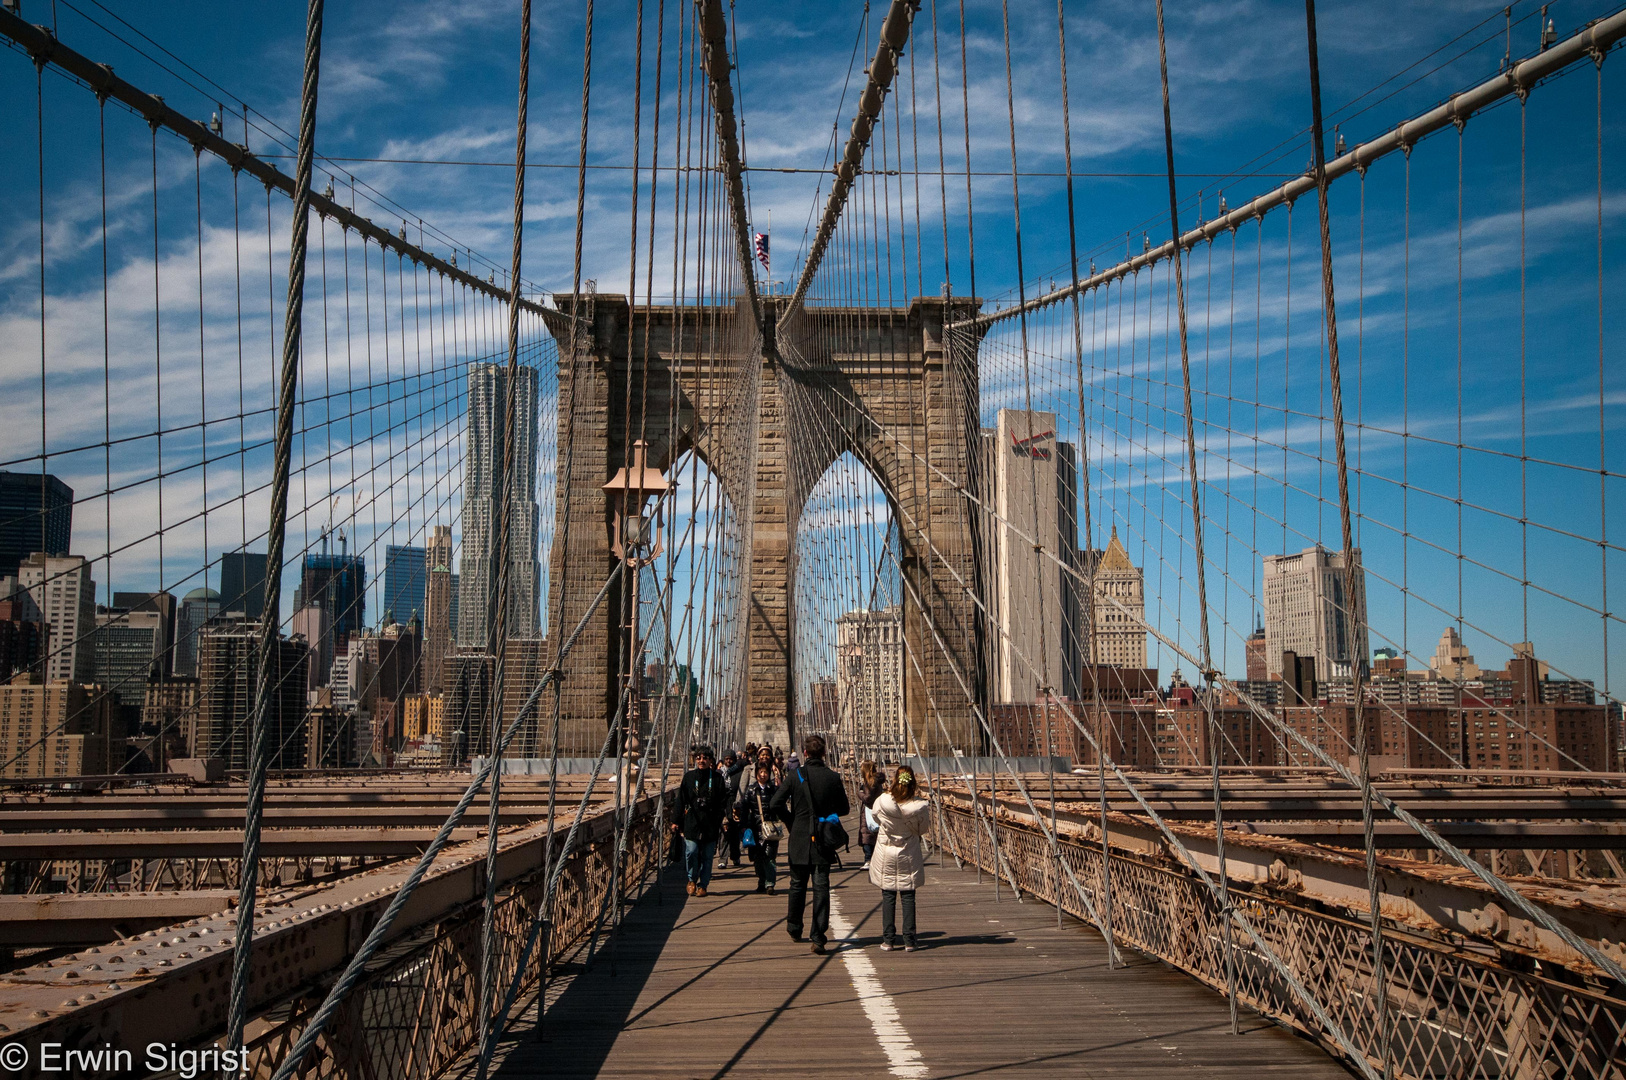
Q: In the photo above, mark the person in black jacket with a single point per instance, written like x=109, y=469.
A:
x=702, y=800
x=729, y=846
x=810, y=792
x=755, y=817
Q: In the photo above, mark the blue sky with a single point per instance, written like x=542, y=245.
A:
x=436, y=82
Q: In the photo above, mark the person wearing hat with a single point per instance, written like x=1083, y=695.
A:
x=898, y=866
x=702, y=800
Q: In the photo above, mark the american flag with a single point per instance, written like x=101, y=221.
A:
x=762, y=250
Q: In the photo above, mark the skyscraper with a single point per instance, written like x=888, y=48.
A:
x=1451, y=659
x=163, y=604
x=869, y=680
x=404, y=581
x=36, y=514
x=339, y=584
x=126, y=647
x=242, y=583
x=1029, y=480
x=437, y=606
x=1120, y=628
x=488, y=388
x=56, y=729
x=314, y=624
x=66, y=599
x=227, y=670
x=24, y=637
x=1305, y=612
x=457, y=599
x=1254, y=654
x=199, y=608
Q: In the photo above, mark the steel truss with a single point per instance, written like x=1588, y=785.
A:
x=1452, y=1010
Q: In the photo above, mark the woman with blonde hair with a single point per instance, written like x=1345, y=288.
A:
x=898, y=866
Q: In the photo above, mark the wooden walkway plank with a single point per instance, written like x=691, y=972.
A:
x=712, y=988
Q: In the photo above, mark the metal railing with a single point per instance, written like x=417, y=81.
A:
x=1452, y=1012
x=415, y=1014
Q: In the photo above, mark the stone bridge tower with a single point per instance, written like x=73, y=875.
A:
x=881, y=383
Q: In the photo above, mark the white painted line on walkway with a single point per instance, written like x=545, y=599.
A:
x=902, y=1058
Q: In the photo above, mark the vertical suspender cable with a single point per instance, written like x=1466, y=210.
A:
x=1044, y=673
x=580, y=339
x=45, y=459
x=270, y=673
x=1197, y=528
x=497, y=626
x=1087, y=591
x=1353, y=609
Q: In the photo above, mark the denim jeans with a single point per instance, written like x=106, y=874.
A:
x=889, y=901
x=697, y=860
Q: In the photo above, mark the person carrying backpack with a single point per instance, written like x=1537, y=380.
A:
x=812, y=800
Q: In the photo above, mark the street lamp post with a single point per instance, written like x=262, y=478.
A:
x=636, y=538
x=632, y=530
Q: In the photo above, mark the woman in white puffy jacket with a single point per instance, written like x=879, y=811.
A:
x=898, y=866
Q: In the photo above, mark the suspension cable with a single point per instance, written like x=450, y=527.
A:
x=270, y=649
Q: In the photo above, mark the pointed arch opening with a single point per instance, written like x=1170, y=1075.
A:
x=847, y=634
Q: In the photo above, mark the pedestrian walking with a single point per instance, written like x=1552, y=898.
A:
x=728, y=846
x=702, y=801
x=898, y=867
x=871, y=782
x=762, y=832
x=765, y=757
x=812, y=800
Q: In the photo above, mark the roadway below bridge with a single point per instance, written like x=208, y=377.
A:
x=713, y=987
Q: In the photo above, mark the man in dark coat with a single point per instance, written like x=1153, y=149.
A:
x=702, y=800
x=808, y=793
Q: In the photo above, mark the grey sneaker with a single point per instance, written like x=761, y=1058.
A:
x=910, y=948
x=887, y=946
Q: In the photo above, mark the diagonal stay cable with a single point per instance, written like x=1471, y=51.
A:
x=1502, y=888
x=354, y=970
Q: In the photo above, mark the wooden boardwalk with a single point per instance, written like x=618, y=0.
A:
x=713, y=987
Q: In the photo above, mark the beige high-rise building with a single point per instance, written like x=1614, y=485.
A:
x=1120, y=634
x=56, y=729
x=1451, y=659
x=1029, y=480
x=61, y=588
x=437, y=615
x=1305, y=612
x=869, y=681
